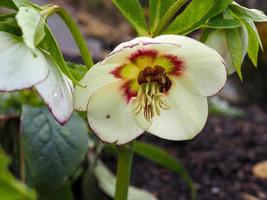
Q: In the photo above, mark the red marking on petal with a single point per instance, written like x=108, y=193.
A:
x=143, y=53
x=117, y=72
x=128, y=93
x=178, y=65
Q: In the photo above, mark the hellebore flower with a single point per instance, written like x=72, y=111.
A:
x=20, y=68
x=156, y=85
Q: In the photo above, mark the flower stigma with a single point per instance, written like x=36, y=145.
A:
x=154, y=83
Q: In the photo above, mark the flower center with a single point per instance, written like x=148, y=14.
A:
x=154, y=83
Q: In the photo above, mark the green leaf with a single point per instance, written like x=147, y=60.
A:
x=236, y=48
x=133, y=12
x=197, y=13
x=157, y=10
x=107, y=182
x=163, y=158
x=52, y=152
x=21, y=3
x=222, y=24
x=8, y=4
x=248, y=14
x=63, y=193
x=32, y=26
x=8, y=23
x=253, y=41
x=51, y=45
x=77, y=70
x=10, y=188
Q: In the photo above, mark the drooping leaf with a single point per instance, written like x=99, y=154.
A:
x=248, y=14
x=222, y=24
x=107, y=182
x=236, y=47
x=8, y=4
x=10, y=188
x=253, y=41
x=52, y=152
x=32, y=26
x=196, y=13
x=164, y=159
x=51, y=45
x=157, y=9
x=133, y=12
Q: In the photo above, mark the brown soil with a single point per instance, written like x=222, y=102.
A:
x=220, y=161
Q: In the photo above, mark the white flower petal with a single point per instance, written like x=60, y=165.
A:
x=56, y=90
x=97, y=77
x=132, y=43
x=111, y=118
x=125, y=50
x=205, y=71
x=186, y=117
x=19, y=68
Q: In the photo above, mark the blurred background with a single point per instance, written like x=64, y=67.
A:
x=227, y=160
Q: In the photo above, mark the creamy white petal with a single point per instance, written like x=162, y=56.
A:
x=19, y=67
x=57, y=92
x=111, y=118
x=132, y=43
x=124, y=50
x=97, y=77
x=186, y=117
x=205, y=71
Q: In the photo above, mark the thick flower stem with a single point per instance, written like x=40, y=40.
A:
x=74, y=29
x=124, y=171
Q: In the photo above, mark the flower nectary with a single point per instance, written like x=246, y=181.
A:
x=148, y=80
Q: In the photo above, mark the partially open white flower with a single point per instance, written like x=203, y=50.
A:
x=157, y=85
x=21, y=69
x=217, y=40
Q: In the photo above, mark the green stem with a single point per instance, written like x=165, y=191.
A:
x=168, y=16
x=74, y=29
x=124, y=171
x=22, y=171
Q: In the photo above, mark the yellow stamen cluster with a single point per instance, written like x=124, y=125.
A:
x=150, y=97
